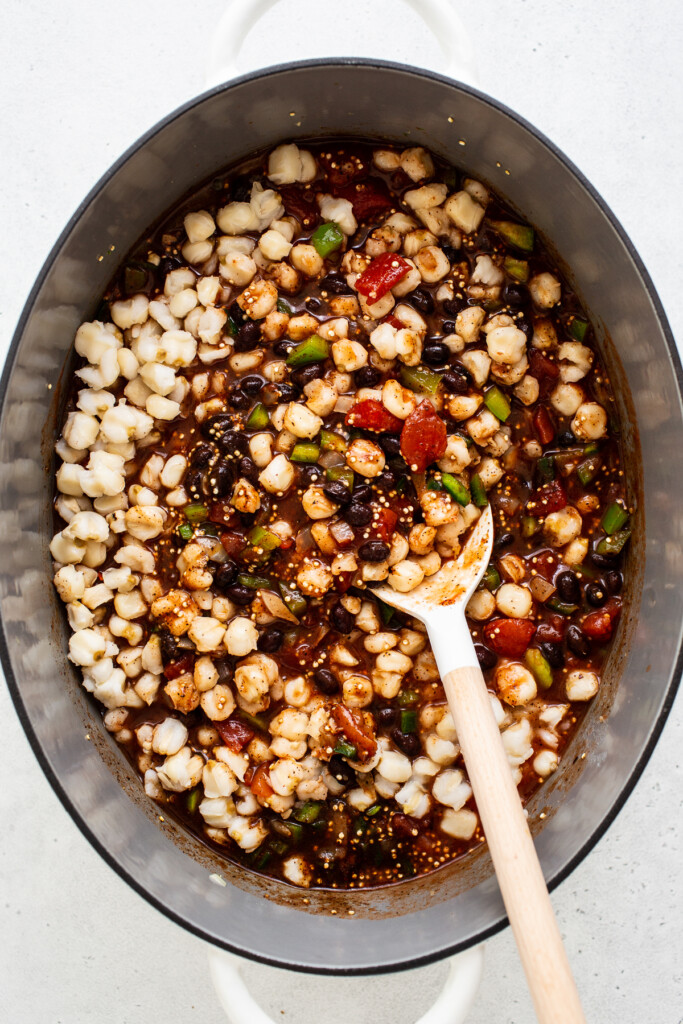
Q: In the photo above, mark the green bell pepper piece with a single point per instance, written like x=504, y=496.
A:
x=408, y=698
x=455, y=488
x=517, y=269
x=578, y=328
x=185, y=531
x=260, y=537
x=478, y=492
x=408, y=721
x=519, y=235
x=588, y=469
x=331, y=442
x=295, y=601
x=254, y=582
x=196, y=513
x=614, y=518
x=419, y=379
x=308, y=812
x=614, y=544
x=561, y=607
x=312, y=350
x=497, y=403
x=258, y=418
x=304, y=451
x=342, y=474
x=327, y=238
x=539, y=668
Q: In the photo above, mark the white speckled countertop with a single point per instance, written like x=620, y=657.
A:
x=80, y=82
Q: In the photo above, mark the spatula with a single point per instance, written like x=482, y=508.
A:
x=439, y=602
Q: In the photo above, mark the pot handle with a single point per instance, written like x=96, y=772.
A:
x=451, y=1006
x=439, y=16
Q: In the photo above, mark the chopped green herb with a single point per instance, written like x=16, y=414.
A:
x=345, y=749
x=372, y=811
x=284, y=307
x=386, y=612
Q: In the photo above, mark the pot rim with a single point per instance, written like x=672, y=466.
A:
x=657, y=726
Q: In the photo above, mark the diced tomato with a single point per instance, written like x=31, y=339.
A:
x=383, y=522
x=352, y=725
x=235, y=734
x=509, y=637
x=259, y=782
x=177, y=668
x=222, y=512
x=343, y=164
x=599, y=625
x=300, y=203
x=394, y=321
x=543, y=369
x=544, y=562
x=384, y=272
x=370, y=414
x=552, y=630
x=547, y=499
x=233, y=543
x=342, y=581
x=407, y=827
x=369, y=198
x=543, y=425
x=423, y=438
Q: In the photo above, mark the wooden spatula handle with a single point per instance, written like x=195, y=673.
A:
x=512, y=850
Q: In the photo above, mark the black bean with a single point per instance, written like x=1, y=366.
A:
x=247, y=337
x=358, y=515
x=604, y=561
x=566, y=439
x=167, y=264
x=422, y=301
x=578, y=642
x=240, y=189
x=311, y=475
x=233, y=443
x=201, y=455
x=237, y=314
x=596, y=594
x=325, y=681
x=503, y=540
x=452, y=306
x=515, y=295
x=283, y=347
x=409, y=742
x=314, y=303
x=455, y=382
x=448, y=327
x=169, y=646
x=225, y=670
x=435, y=353
x=193, y=481
x=240, y=594
x=374, y=551
x=614, y=581
x=217, y=425
x=552, y=653
x=451, y=254
x=568, y=586
x=366, y=377
x=387, y=717
x=525, y=326
x=362, y=492
x=341, y=619
x=222, y=479
x=337, y=491
x=252, y=384
x=271, y=639
x=334, y=283
x=487, y=659
x=237, y=398
x=288, y=392
x=389, y=445
x=226, y=574
x=387, y=478
x=249, y=469
x=305, y=374
x=341, y=771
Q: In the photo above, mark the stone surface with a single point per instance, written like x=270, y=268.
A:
x=80, y=83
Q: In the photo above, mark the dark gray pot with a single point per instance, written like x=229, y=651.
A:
x=458, y=905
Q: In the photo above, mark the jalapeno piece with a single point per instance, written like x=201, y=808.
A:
x=455, y=488
x=312, y=350
x=327, y=238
